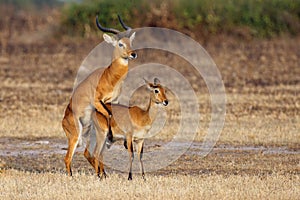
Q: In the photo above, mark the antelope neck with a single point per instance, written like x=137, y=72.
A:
x=152, y=109
x=120, y=61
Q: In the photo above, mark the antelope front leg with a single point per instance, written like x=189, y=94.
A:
x=89, y=157
x=140, y=149
x=108, y=115
x=131, y=156
x=102, y=171
x=99, y=167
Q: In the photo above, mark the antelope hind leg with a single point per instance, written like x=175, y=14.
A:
x=72, y=134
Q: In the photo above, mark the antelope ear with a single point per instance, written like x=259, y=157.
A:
x=148, y=84
x=156, y=81
x=132, y=37
x=110, y=39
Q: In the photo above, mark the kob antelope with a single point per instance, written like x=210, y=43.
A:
x=131, y=128
x=100, y=87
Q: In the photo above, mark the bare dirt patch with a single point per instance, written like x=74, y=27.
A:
x=46, y=155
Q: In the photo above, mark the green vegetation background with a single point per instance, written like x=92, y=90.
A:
x=258, y=18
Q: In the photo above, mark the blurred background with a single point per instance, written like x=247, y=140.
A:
x=199, y=19
x=255, y=44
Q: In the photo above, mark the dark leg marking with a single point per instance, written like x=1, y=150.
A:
x=107, y=110
x=109, y=134
x=130, y=176
x=131, y=148
x=125, y=144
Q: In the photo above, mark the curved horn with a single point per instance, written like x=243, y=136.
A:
x=110, y=30
x=123, y=24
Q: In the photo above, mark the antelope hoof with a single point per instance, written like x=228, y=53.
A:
x=130, y=177
x=103, y=176
x=69, y=173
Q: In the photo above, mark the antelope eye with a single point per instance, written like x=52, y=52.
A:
x=156, y=91
x=120, y=44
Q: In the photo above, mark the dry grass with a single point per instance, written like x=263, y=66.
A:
x=33, y=98
x=23, y=185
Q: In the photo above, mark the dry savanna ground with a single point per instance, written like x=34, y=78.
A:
x=257, y=155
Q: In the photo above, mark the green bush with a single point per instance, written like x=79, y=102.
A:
x=79, y=18
x=264, y=18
